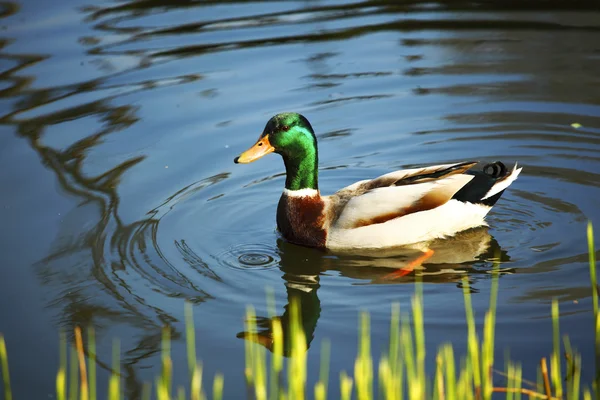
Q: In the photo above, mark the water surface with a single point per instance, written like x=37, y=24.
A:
x=120, y=198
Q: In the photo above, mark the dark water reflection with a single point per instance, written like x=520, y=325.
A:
x=453, y=259
x=120, y=200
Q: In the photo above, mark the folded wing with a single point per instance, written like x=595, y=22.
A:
x=398, y=194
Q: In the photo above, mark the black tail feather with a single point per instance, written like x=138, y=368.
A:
x=481, y=183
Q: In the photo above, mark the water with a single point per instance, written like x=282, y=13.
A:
x=120, y=198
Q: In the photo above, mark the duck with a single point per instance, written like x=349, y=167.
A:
x=402, y=208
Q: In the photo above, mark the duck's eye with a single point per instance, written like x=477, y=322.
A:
x=285, y=128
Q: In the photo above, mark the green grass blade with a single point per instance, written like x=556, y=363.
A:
x=320, y=392
x=487, y=353
x=592, y=260
x=450, y=372
x=5, y=372
x=276, y=358
x=218, y=382
x=114, y=392
x=408, y=356
x=161, y=392
x=73, y=387
x=61, y=376
x=594, y=283
x=509, y=381
x=518, y=382
x=259, y=367
x=61, y=384
x=167, y=364
x=473, y=341
x=555, y=372
x=196, y=384
x=345, y=386
x=597, y=385
x=394, y=350
x=572, y=373
x=277, y=344
x=363, y=367
x=386, y=380
x=514, y=381
x=91, y=336
x=297, y=369
x=417, y=307
x=439, y=389
x=487, y=356
x=190, y=337
x=248, y=348
x=576, y=378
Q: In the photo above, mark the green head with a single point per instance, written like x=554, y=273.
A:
x=291, y=136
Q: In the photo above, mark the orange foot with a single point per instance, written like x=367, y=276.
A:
x=399, y=273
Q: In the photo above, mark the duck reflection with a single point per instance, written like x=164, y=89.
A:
x=470, y=253
x=301, y=274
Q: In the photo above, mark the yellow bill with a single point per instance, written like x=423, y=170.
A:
x=260, y=149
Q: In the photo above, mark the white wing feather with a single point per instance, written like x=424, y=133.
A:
x=393, y=199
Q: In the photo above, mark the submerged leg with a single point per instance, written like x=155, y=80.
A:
x=400, y=272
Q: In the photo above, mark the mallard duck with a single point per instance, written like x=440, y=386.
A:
x=401, y=208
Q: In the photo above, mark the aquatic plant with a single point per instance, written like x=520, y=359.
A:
x=400, y=372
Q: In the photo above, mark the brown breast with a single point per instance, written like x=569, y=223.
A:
x=300, y=220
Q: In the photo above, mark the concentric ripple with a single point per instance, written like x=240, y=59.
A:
x=249, y=255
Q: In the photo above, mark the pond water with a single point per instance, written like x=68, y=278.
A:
x=120, y=199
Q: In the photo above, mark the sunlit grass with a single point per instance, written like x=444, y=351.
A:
x=399, y=373
x=5, y=372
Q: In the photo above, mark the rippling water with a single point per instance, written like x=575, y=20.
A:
x=120, y=199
